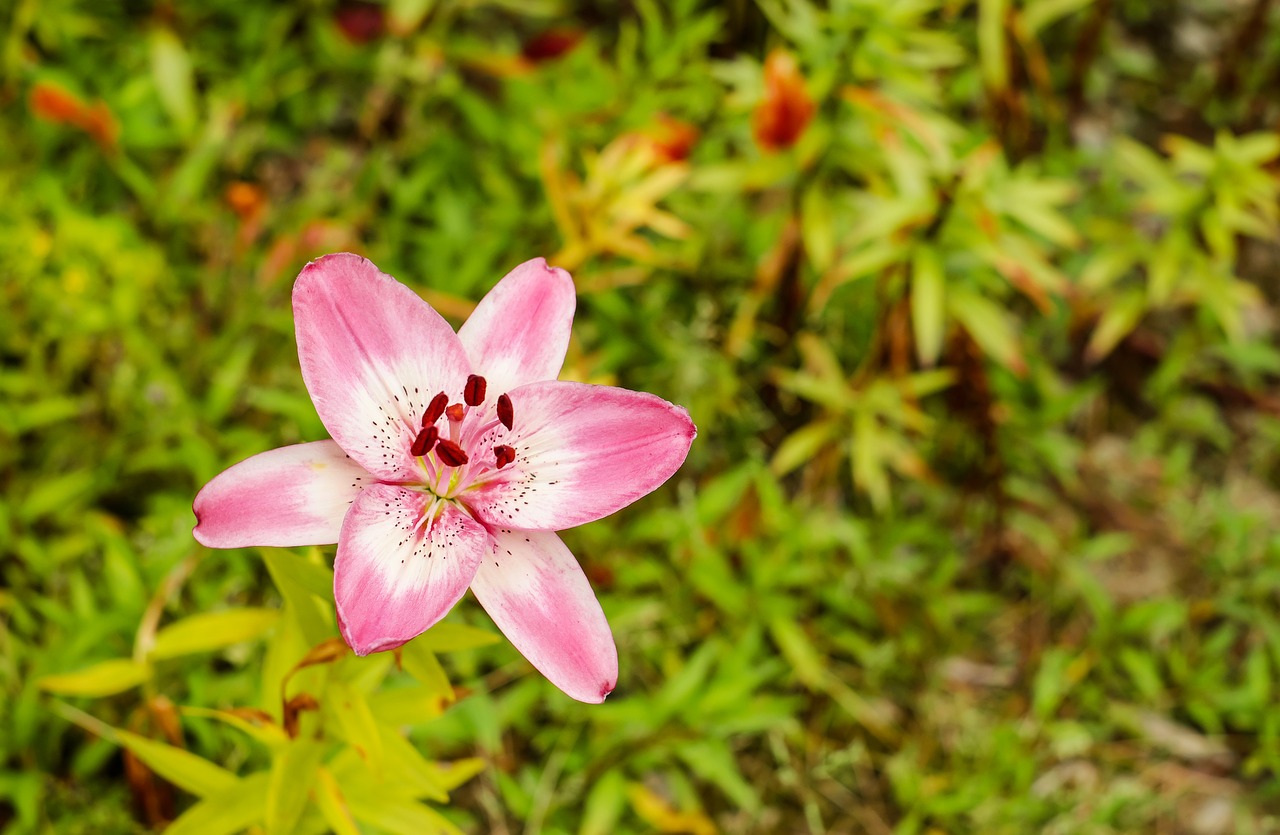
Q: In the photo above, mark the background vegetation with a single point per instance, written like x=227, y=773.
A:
x=973, y=301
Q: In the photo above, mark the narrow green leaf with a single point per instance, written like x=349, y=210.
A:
x=106, y=678
x=400, y=816
x=263, y=729
x=292, y=774
x=172, y=75
x=1116, y=322
x=606, y=801
x=712, y=761
x=454, y=637
x=333, y=804
x=928, y=303
x=182, y=768
x=991, y=43
x=801, y=446
x=817, y=229
x=990, y=327
x=307, y=589
x=1040, y=13
x=799, y=652
x=228, y=812
x=422, y=664
x=212, y=630
x=355, y=721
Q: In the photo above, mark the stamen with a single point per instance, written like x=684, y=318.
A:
x=504, y=410
x=456, y=412
x=504, y=454
x=435, y=409
x=450, y=453
x=473, y=392
x=425, y=441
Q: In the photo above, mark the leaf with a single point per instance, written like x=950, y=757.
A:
x=255, y=723
x=712, y=760
x=604, y=805
x=410, y=705
x=292, y=774
x=866, y=463
x=400, y=816
x=989, y=326
x=355, y=721
x=454, y=637
x=171, y=73
x=333, y=805
x=105, y=678
x=212, y=630
x=991, y=43
x=228, y=812
x=1116, y=322
x=182, y=768
x=799, y=652
x=817, y=228
x=421, y=663
x=1040, y=13
x=658, y=813
x=802, y=445
x=307, y=589
x=928, y=304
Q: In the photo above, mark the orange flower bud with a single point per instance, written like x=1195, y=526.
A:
x=551, y=44
x=61, y=107
x=245, y=199
x=672, y=139
x=786, y=109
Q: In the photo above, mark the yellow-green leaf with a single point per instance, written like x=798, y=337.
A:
x=453, y=637
x=172, y=75
x=928, y=303
x=212, y=630
x=182, y=768
x=400, y=816
x=105, y=678
x=803, y=444
x=991, y=43
x=228, y=812
x=1116, y=322
x=355, y=722
x=292, y=774
x=990, y=327
x=333, y=805
x=422, y=664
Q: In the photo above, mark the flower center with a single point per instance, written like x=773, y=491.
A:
x=454, y=456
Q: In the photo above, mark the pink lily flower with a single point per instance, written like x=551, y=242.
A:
x=454, y=459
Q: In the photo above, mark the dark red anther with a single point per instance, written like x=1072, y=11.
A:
x=450, y=453
x=504, y=454
x=435, y=409
x=504, y=410
x=456, y=412
x=473, y=391
x=425, y=441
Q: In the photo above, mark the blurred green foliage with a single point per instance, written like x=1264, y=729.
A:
x=973, y=301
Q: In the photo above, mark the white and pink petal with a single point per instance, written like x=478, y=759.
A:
x=404, y=559
x=582, y=452
x=536, y=593
x=373, y=354
x=294, y=495
x=519, y=332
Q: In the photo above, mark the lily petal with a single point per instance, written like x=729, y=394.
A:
x=582, y=452
x=519, y=332
x=294, y=495
x=373, y=355
x=395, y=574
x=536, y=593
